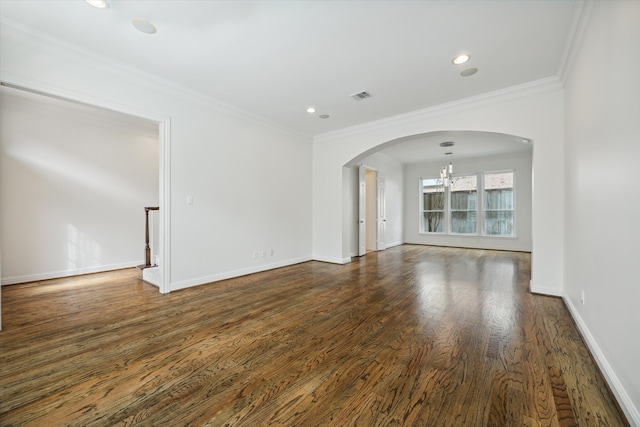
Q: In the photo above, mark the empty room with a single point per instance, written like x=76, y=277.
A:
x=319, y=213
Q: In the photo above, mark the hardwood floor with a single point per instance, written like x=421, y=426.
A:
x=412, y=336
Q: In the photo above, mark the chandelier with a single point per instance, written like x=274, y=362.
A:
x=446, y=173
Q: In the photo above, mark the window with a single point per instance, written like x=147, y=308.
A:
x=458, y=209
x=432, y=206
x=464, y=205
x=498, y=204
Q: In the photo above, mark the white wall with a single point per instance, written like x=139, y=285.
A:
x=249, y=179
x=602, y=206
x=533, y=111
x=393, y=173
x=73, y=184
x=520, y=164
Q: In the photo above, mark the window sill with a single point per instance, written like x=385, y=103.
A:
x=474, y=236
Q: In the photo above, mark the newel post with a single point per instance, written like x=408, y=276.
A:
x=147, y=248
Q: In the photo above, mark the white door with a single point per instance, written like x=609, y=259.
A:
x=362, y=210
x=382, y=221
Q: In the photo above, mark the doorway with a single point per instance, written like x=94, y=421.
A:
x=371, y=214
x=85, y=246
x=371, y=207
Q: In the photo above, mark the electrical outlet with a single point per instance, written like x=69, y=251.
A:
x=272, y=252
x=582, y=296
x=255, y=254
x=262, y=254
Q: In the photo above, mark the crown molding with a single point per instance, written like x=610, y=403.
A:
x=581, y=15
x=36, y=39
x=525, y=90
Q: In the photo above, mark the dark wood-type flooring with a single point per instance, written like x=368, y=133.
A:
x=411, y=336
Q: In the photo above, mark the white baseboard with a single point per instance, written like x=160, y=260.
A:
x=332, y=260
x=391, y=245
x=68, y=273
x=536, y=289
x=174, y=286
x=631, y=411
x=355, y=254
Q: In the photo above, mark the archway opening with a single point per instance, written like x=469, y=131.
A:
x=405, y=161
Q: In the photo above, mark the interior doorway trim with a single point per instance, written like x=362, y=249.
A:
x=371, y=210
x=164, y=250
x=164, y=152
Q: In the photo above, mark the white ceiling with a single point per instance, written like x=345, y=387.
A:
x=276, y=58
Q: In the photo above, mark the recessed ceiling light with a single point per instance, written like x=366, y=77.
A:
x=144, y=26
x=461, y=59
x=311, y=110
x=468, y=72
x=323, y=116
x=100, y=4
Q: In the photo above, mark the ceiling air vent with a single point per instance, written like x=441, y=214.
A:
x=361, y=95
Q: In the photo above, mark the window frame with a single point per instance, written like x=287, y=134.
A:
x=480, y=207
x=423, y=211
x=513, y=210
x=451, y=210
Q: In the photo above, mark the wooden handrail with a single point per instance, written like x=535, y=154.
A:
x=147, y=248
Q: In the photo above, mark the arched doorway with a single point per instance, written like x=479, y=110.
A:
x=403, y=161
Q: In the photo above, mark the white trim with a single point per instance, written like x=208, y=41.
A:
x=53, y=91
x=467, y=236
x=68, y=273
x=235, y=273
x=544, y=290
x=355, y=254
x=152, y=276
x=164, y=249
x=514, y=92
x=333, y=260
x=582, y=12
x=391, y=245
x=629, y=408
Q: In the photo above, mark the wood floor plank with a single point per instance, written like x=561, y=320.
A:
x=411, y=336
